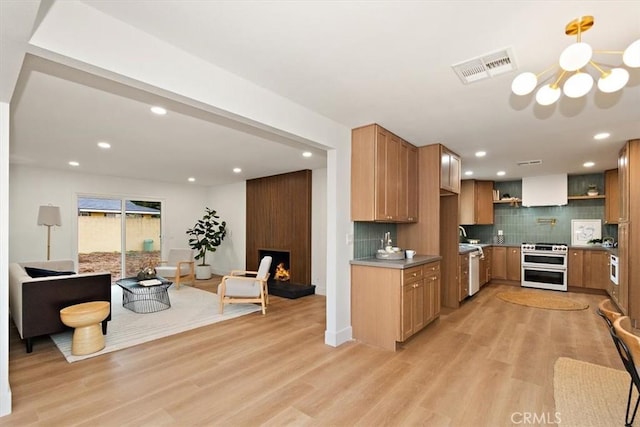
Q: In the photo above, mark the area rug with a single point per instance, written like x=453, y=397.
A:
x=542, y=300
x=589, y=395
x=190, y=308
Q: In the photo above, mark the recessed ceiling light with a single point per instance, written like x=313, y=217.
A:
x=588, y=164
x=481, y=153
x=74, y=163
x=468, y=173
x=307, y=154
x=191, y=179
x=159, y=111
x=237, y=170
x=601, y=135
x=501, y=173
x=104, y=145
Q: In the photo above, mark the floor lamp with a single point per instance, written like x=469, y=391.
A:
x=49, y=216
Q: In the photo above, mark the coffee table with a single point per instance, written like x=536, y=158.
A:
x=144, y=299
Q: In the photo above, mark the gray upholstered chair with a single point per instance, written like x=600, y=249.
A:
x=237, y=287
x=179, y=265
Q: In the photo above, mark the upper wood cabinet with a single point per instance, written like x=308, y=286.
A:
x=612, y=197
x=623, y=183
x=476, y=202
x=384, y=178
x=449, y=171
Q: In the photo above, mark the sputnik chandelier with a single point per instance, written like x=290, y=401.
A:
x=573, y=60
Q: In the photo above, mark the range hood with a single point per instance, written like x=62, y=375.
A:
x=549, y=190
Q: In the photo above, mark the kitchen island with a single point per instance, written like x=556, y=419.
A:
x=391, y=300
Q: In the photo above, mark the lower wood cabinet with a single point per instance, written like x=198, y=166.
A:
x=463, y=276
x=588, y=268
x=485, y=266
x=505, y=263
x=389, y=305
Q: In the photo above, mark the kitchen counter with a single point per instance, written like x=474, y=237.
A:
x=400, y=264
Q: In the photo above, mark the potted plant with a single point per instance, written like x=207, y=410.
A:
x=206, y=235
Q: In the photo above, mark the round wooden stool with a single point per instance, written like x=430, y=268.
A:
x=86, y=318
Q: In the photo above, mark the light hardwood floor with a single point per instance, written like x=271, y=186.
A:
x=476, y=366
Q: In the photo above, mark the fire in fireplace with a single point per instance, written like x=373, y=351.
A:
x=281, y=274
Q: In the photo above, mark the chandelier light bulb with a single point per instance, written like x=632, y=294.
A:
x=578, y=85
x=614, y=81
x=631, y=55
x=547, y=95
x=575, y=56
x=524, y=83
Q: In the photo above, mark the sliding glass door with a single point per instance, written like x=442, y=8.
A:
x=121, y=236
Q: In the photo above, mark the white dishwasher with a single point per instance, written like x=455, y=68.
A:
x=474, y=271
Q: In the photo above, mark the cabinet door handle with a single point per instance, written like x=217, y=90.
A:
x=415, y=274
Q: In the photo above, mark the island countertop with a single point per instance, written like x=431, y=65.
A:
x=400, y=264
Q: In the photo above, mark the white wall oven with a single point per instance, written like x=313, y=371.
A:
x=544, y=266
x=614, y=269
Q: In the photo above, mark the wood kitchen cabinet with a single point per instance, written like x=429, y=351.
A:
x=505, y=263
x=450, y=167
x=485, y=266
x=624, y=286
x=623, y=183
x=575, y=267
x=612, y=197
x=499, y=262
x=384, y=178
x=588, y=268
x=513, y=264
x=388, y=305
x=463, y=276
x=476, y=202
x=596, y=271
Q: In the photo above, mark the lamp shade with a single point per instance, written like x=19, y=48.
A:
x=524, y=83
x=49, y=215
x=631, y=56
x=578, y=85
x=547, y=95
x=575, y=56
x=614, y=81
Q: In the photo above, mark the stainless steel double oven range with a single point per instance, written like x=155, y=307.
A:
x=544, y=266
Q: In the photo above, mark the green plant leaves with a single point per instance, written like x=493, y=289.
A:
x=207, y=234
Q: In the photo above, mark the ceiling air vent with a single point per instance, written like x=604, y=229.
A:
x=485, y=66
x=529, y=162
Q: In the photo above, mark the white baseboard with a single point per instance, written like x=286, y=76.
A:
x=335, y=339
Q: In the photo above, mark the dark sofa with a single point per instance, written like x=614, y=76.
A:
x=35, y=302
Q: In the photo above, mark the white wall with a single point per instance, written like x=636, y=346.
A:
x=32, y=187
x=5, y=389
x=319, y=230
x=230, y=201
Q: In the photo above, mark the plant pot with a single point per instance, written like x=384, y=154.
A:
x=203, y=272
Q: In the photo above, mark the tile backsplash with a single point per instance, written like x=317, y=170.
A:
x=367, y=237
x=521, y=224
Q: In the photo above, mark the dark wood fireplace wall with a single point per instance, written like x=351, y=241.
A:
x=279, y=219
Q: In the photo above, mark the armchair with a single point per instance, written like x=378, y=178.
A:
x=179, y=265
x=238, y=288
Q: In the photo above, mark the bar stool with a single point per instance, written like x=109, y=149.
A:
x=86, y=318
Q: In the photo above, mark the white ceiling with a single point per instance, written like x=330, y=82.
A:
x=354, y=62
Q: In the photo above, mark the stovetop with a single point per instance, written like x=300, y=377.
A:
x=551, y=247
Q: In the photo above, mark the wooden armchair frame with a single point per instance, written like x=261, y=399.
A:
x=249, y=277
x=179, y=278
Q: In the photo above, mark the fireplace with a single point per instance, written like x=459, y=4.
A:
x=281, y=283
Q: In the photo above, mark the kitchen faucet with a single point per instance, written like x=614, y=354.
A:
x=462, y=231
